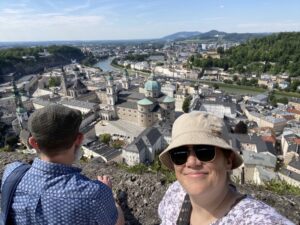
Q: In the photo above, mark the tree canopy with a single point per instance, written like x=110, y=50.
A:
x=274, y=54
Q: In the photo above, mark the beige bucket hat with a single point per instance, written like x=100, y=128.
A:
x=199, y=128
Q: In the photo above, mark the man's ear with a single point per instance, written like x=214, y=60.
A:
x=33, y=143
x=79, y=139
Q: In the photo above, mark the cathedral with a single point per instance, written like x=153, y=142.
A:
x=144, y=107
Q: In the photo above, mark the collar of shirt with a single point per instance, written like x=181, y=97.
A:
x=55, y=168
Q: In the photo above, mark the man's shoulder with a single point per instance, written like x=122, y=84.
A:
x=86, y=187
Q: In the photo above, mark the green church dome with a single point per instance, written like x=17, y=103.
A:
x=145, y=101
x=20, y=110
x=152, y=85
x=168, y=99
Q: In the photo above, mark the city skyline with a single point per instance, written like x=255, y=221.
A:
x=33, y=20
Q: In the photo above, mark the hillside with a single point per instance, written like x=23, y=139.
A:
x=274, y=54
x=140, y=194
x=181, y=35
x=31, y=60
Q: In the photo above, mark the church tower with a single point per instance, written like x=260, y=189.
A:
x=125, y=80
x=21, y=112
x=110, y=91
x=64, y=82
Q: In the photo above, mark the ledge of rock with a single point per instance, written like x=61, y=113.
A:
x=139, y=195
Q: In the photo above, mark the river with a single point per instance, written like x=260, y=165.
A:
x=105, y=65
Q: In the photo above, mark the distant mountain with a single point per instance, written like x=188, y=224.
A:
x=181, y=35
x=214, y=36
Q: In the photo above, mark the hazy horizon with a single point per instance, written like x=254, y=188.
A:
x=112, y=20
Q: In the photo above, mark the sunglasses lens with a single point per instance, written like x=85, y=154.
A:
x=179, y=155
x=205, y=153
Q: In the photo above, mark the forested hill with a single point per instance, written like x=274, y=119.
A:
x=277, y=53
x=214, y=36
x=35, y=59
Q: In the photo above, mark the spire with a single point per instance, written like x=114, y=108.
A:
x=64, y=82
x=125, y=74
x=152, y=75
x=21, y=112
x=18, y=100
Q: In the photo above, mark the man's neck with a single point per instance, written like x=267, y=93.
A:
x=66, y=158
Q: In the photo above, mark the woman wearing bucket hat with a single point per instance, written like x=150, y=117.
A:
x=202, y=157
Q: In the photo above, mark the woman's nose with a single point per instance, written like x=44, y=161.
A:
x=192, y=159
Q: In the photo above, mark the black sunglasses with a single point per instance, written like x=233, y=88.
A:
x=204, y=153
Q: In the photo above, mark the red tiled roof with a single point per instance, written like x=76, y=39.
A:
x=269, y=139
x=292, y=110
x=297, y=141
x=289, y=117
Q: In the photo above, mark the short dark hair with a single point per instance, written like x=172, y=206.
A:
x=55, y=127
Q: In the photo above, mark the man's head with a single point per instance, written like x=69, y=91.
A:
x=54, y=128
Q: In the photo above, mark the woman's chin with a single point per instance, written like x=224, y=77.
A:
x=196, y=188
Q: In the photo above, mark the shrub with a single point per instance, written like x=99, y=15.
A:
x=117, y=144
x=105, y=138
x=282, y=187
x=155, y=167
x=186, y=104
x=139, y=169
x=6, y=148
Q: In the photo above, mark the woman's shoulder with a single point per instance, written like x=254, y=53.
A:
x=170, y=205
x=175, y=189
x=256, y=212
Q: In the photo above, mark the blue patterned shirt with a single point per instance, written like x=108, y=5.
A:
x=51, y=193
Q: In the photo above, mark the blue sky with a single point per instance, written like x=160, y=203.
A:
x=42, y=20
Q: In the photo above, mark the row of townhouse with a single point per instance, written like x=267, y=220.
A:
x=277, y=124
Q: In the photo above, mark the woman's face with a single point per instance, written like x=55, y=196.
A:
x=204, y=178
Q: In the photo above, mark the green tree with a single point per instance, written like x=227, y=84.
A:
x=283, y=100
x=216, y=86
x=244, y=81
x=117, y=144
x=235, y=78
x=220, y=50
x=186, y=104
x=240, y=128
x=272, y=99
x=54, y=81
x=105, y=138
x=12, y=141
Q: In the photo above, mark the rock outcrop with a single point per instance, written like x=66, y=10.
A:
x=139, y=195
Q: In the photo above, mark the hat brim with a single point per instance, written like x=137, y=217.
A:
x=199, y=138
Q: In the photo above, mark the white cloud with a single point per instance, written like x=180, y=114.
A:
x=49, y=27
x=222, y=6
x=78, y=7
